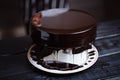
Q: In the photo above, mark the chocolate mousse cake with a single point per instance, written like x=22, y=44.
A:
x=72, y=28
x=63, y=39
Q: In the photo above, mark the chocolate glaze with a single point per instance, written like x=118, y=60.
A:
x=38, y=53
x=64, y=41
x=69, y=22
x=70, y=29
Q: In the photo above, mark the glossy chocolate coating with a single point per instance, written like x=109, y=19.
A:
x=73, y=28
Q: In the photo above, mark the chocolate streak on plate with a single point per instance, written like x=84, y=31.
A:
x=57, y=65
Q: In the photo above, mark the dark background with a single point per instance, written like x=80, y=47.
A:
x=12, y=17
x=103, y=9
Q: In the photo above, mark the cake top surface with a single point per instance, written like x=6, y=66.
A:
x=64, y=21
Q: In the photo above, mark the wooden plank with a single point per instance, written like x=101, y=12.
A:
x=108, y=45
x=108, y=28
x=14, y=46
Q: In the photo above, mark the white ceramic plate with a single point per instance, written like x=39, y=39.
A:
x=89, y=61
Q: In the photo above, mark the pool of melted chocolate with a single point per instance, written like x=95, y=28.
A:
x=57, y=65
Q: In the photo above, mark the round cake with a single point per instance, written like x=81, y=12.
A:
x=63, y=41
x=67, y=29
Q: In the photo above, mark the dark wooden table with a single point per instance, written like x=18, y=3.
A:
x=14, y=64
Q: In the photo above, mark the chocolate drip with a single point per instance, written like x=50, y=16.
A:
x=80, y=49
x=41, y=52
